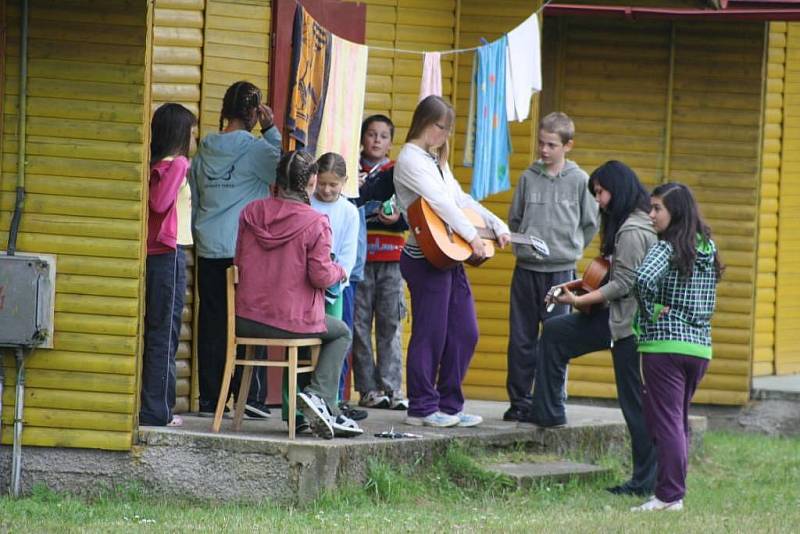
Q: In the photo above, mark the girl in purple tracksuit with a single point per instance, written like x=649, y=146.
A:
x=676, y=286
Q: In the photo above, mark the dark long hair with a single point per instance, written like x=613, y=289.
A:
x=170, y=132
x=240, y=99
x=685, y=225
x=627, y=195
x=295, y=169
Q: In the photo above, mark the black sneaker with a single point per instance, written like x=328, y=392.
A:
x=514, y=414
x=534, y=419
x=352, y=413
x=256, y=410
x=627, y=489
x=204, y=411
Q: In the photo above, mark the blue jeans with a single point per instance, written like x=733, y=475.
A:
x=165, y=288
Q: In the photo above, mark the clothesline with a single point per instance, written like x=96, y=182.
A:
x=443, y=52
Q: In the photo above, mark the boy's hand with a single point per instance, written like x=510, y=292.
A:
x=389, y=220
x=503, y=240
x=362, y=176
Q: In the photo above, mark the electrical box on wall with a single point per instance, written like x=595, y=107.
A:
x=27, y=298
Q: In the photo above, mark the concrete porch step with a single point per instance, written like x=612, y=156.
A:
x=528, y=474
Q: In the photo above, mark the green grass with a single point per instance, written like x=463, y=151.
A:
x=739, y=483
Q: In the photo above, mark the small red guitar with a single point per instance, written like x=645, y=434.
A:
x=445, y=249
x=594, y=276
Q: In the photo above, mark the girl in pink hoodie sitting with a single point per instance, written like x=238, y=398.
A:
x=170, y=144
x=283, y=252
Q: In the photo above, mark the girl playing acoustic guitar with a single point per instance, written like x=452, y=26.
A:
x=626, y=236
x=444, y=328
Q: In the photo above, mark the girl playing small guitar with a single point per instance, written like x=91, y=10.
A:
x=444, y=328
x=626, y=236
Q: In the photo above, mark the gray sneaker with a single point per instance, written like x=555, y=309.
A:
x=374, y=399
x=398, y=401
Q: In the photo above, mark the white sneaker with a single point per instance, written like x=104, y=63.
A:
x=657, y=505
x=436, y=419
x=344, y=427
x=374, y=399
x=467, y=420
x=316, y=412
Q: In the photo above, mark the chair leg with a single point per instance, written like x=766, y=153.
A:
x=292, y=390
x=244, y=389
x=315, y=355
x=230, y=356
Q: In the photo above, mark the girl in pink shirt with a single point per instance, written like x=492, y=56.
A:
x=283, y=252
x=170, y=144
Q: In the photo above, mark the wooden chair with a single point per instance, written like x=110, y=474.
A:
x=292, y=363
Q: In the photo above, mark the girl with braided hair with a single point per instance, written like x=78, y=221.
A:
x=283, y=252
x=231, y=168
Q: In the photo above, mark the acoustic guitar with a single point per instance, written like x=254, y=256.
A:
x=444, y=248
x=594, y=276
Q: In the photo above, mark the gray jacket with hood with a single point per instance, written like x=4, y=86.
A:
x=634, y=238
x=558, y=209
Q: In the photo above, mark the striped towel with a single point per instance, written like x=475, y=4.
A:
x=344, y=105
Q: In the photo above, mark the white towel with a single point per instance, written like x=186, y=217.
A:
x=523, y=68
x=431, y=83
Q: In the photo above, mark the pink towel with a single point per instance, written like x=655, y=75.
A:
x=431, y=83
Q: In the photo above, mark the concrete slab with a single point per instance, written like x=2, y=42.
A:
x=262, y=463
x=527, y=474
x=786, y=387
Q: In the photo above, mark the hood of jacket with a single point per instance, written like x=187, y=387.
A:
x=219, y=153
x=706, y=250
x=275, y=221
x=539, y=169
x=637, y=220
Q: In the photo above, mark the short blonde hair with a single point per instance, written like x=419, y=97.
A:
x=558, y=123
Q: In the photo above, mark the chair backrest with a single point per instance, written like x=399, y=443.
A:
x=232, y=278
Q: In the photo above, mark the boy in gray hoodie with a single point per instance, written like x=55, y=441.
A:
x=552, y=202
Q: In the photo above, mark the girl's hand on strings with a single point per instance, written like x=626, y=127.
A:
x=478, y=247
x=503, y=240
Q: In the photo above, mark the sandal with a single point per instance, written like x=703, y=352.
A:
x=177, y=420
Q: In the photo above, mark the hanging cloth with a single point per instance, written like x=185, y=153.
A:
x=492, y=144
x=523, y=68
x=344, y=105
x=309, y=78
x=431, y=83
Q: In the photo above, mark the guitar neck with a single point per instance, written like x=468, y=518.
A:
x=519, y=239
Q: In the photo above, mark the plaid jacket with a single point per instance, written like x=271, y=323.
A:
x=686, y=327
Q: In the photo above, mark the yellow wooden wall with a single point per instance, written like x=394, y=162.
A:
x=687, y=112
x=86, y=134
x=787, y=348
x=393, y=79
x=176, y=77
x=771, y=149
x=490, y=283
x=656, y=95
x=236, y=47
